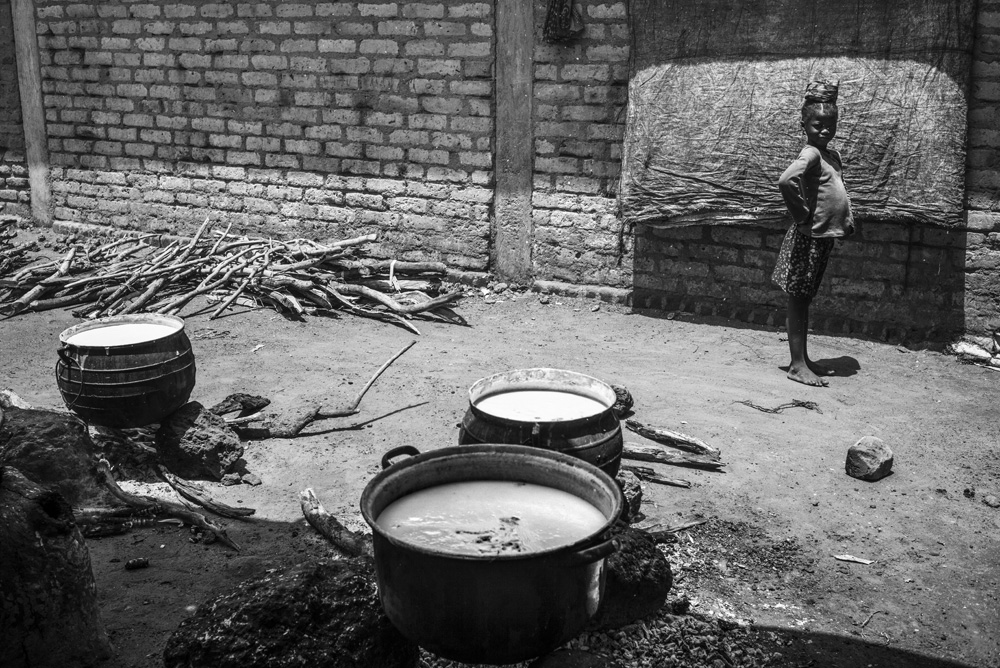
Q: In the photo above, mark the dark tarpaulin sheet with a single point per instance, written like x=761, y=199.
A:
x=716, y=90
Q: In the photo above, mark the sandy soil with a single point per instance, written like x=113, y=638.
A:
x=930, y=598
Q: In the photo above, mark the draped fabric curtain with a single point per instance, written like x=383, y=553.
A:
x=716, y=89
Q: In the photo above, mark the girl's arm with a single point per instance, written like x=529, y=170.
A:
x=792, y=184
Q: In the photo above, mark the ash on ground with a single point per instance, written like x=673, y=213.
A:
x=691, y=630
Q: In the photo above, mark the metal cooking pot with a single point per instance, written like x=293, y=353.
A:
x=497, y=608
x=595, y=438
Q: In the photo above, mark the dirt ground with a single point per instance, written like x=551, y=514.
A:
x=779, y=513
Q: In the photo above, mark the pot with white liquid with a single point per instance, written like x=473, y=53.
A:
x=125, y=371
x=554, y=409
x=490, y=553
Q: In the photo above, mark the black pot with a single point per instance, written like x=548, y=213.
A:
x=596, y=438
x=498, y=608
x=129, y=385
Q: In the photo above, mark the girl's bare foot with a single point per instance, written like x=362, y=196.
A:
x=803, y=374
x=819, y=369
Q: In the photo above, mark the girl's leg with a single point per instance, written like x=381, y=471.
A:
x=797, y=324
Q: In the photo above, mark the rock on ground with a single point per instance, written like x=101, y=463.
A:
x=53, y=450
x=631, y=489
x=869, y=459
x=638, y=579
x=194, y=442
x=246, y=404
x=324, y=613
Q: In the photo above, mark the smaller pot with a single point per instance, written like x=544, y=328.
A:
x=498, y=608
x=595, y=438
x=126, y=385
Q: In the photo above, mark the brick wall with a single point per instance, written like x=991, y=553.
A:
x=982, y=257
x=330, y=119
x=320, y=119
x=14, y=193
x=898, y=282
x=580, y=91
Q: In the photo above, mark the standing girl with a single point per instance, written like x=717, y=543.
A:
x=814, y=192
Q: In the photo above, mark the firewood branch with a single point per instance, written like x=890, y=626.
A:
x=197, y=494
x=346, y=541
x=674, y=439
x=160, y=507
x=290, y=427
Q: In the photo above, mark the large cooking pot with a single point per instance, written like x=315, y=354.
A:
x=490, y=609
x=594, y=436
x=127, y=370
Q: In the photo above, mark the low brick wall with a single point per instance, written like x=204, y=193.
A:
x=892, y=282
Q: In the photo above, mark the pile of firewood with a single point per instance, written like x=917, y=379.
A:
x=138, y=274
x=12, y=255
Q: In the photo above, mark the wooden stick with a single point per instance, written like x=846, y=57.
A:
x=404, y=284
x=69, y=300
x=207, y=284
x=652, y=453
x=197, y=494
x=353, y=408
x=356, y=241
x=28, y=271
x=21, y=303
x=136, y=274
x=346, y=541
x=649, y=475
x=392, y=304
x=103, y=250
x=659, y=532
x=674, y=439
x=160, y=507
x=385, y=316
x=292, y=426
x=155, y=286
x=236, y=293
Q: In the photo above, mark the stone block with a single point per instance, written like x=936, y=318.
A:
x=869, y=459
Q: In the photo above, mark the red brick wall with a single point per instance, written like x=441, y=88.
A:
x=310, y=118
x=14, y=192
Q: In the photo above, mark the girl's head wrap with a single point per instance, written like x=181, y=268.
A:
x=820, y=95
x=822, y=91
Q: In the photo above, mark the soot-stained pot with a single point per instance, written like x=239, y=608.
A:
x=126, y=385
x=498, y=608
x=595, y=438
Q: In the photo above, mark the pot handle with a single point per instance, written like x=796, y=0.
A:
x=592, y=554
x=68, y=361
x=401, y=450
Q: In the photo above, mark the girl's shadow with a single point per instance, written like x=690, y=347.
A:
x=842, y=366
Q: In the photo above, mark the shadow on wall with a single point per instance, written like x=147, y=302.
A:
x=893, y=282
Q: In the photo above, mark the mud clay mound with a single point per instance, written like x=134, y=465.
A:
x=53, y=450
x=316, y=614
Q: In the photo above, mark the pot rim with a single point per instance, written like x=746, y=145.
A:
x=499, y=449
x=142, y=318
x=544, y=378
